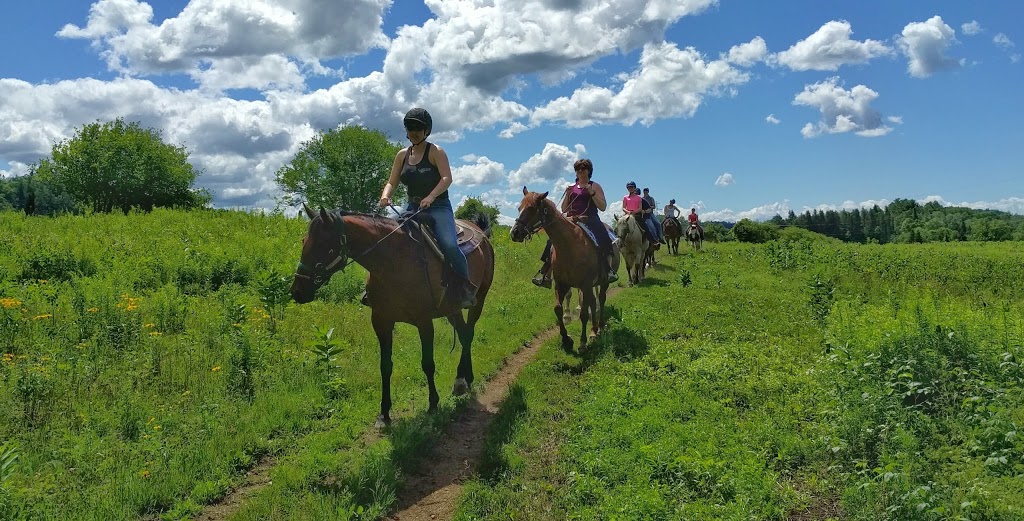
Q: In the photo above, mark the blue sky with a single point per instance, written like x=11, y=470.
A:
x=744, y=109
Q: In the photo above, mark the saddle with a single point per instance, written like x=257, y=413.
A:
x=467, y=237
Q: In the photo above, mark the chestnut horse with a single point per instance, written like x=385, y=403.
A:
x=574, y=263
x=404, y=285
x=672, y=231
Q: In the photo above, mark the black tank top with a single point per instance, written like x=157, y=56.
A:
x=421, y=179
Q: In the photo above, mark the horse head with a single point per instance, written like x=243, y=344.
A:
x=535, y=212
x=324, y=251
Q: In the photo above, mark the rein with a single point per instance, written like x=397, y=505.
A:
x=317, y=272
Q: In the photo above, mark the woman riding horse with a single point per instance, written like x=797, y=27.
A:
x=581, y=202
x=423, y=168
x=405, y=277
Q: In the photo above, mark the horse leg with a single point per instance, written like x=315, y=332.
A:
x=560, y=290
x=426, y=329
x=466, y=331
x=385, y=330
x=600, y=318
x=588, y=303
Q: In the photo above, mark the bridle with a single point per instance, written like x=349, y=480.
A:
x=544, y=220
x=320, y=272
x=317, y=273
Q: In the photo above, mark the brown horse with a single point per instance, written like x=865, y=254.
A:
x=672, y=231
x=574, y=262
x=404, y=286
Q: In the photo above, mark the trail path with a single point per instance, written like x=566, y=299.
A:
x=431, y=493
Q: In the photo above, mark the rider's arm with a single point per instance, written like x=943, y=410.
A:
x=396, y=172
x=565, y=199
x=597, y=193
x=440, y=160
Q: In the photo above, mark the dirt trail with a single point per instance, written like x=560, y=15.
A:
x=255, y=479
x=432, y=493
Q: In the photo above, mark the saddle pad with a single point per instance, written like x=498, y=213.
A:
x=590, y=234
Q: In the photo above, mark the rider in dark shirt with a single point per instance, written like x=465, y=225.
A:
x=424, y=169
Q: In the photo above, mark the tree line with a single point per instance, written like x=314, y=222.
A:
x=120, y=166
x=907, y=221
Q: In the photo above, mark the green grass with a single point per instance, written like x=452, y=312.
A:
x=741, y=382
x=133, y=385
x=758, y=382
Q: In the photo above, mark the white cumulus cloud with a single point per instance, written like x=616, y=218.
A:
x=554, y=162
x=925, y=45
x=971, y=28
x=670, y=82
x=725, y=179
x=841, y=110
x=829, y=48
x=772, y=119
x=222, y=34
x=480, y=171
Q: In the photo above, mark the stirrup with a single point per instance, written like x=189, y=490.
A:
x=612, y=277
x=542, y=279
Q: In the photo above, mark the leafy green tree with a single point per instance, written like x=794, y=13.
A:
x=717, y=232
x=472, y=207
x=34, y=196
x=119, y=165
x=750, y=231
x=340, y=168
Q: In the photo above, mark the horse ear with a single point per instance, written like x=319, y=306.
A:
x=525, y=191
x=309, y=212
x=324, y=215
x=544, y=195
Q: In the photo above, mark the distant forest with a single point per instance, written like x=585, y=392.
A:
x=907, y=221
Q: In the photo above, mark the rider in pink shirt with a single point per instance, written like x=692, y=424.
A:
x=631, y=203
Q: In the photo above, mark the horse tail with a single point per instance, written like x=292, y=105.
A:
x=484, y=223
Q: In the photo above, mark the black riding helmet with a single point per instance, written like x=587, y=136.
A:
x=418, y=119
x=631, y=183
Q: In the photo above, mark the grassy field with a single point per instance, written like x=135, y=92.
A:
x=149, y=360
x=793, y=380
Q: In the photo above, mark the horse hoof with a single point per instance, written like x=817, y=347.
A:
x=567, y=345
x=461, y=387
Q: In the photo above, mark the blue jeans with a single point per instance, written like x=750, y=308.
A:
x=442, y=220
x=652, y=228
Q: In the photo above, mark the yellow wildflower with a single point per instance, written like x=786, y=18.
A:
x=149, y=325
x=186, y=393
x=43, y=281
x=8, y=358
x=9, y=302
x=216, y=368
x=144, y=474
x=40, y=317
x=92, y=310
x=151, y=420
x=155, y=333
x=157, y=427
